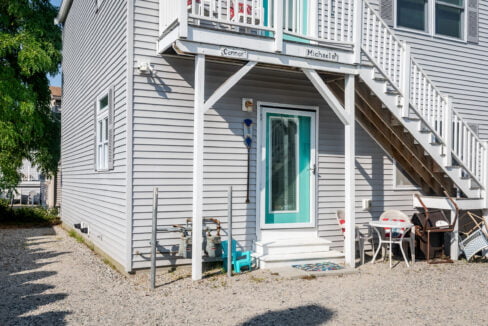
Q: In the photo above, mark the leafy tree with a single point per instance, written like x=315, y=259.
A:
x=30, y=48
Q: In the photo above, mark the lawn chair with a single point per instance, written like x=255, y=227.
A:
x=475, y=239
x=476, y=242
x=360, y=238
x=432, y=226
x=239, y=258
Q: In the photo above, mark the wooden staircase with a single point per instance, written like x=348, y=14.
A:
x=390, y=133
x=399, y=105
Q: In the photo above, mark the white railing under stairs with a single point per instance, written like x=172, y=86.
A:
x=355, y=24
x=421, y=99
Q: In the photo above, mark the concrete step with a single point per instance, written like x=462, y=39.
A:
x=282, y=260
x=292, y=246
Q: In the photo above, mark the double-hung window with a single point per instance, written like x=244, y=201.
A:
x=102, y=132
x=436, y=17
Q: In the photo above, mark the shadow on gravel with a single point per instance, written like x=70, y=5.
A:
x=308, y=315
x=20, y=284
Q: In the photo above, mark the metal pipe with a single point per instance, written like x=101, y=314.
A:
x=153, y=238
x=229, y=232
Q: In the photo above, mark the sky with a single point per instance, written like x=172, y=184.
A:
x=55, y=80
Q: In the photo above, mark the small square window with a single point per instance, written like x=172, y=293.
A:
x=103, y=103
x=400, y=179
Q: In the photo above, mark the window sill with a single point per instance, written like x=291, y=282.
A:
x=427, y=34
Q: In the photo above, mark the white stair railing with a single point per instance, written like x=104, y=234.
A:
x=391, y=58
x=382, y=46
x=427, y=99
x=468, y=148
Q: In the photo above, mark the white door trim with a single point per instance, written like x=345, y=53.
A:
x=311, y=111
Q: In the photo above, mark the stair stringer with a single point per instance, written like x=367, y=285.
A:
x=413, y=126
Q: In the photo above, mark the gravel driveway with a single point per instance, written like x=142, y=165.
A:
x=47, y=278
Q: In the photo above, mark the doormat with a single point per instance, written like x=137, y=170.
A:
x=319, y=267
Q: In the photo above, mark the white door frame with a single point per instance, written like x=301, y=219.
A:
x=311, y=111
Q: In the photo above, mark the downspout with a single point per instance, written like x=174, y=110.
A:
x=129, y=130
x=63, y=12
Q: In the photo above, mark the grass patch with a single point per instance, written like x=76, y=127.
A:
x=18, y=217
x=76, y=236
x=107, y=262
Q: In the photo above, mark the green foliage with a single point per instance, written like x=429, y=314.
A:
x=30, y=47
x=72, y=233
x=76, y=236
x=26, y=216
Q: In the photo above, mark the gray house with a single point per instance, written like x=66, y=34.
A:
x=349, y=104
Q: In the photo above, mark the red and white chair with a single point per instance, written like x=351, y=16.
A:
x=360, y=237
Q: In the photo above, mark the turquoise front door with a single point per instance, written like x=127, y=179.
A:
x=289, y=167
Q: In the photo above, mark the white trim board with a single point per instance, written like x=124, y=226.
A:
x=311, y=111
x=444, y=203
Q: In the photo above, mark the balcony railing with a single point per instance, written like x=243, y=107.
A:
x=353, y=25
x=312, y=22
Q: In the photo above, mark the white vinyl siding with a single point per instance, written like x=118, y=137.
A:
x=94, y=59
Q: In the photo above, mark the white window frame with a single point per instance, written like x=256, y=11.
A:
x=99, y=3
x=431, y=21
x=101, y=150
x=396, y=168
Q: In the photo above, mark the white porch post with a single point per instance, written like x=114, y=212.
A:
x=197, y=223
x=183, y=20
x=350, y=172
x=278, y=25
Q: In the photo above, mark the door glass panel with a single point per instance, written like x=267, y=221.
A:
x=284, y=162
x=288, y=172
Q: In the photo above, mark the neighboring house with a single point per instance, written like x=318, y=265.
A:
x=35, y=188
x=156, y=93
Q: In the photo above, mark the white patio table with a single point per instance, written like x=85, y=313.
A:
x=404, y=226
